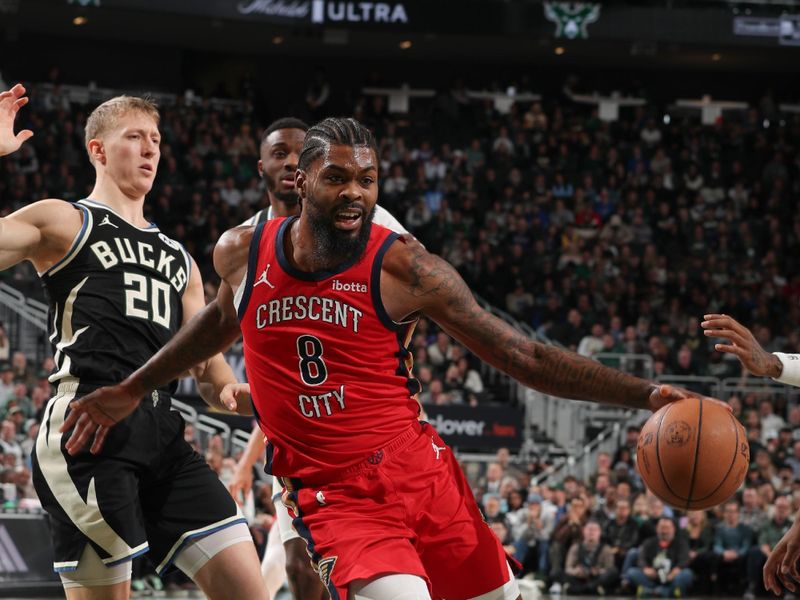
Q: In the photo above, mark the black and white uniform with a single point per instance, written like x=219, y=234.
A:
x=115, y=300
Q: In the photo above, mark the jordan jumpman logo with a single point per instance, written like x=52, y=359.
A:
x=263, y=278
x=107, y=221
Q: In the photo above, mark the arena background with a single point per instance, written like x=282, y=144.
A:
x=573, y=161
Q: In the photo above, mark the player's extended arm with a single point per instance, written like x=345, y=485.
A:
x=31, y=232
x=744, y=346
x=212, y=330
x=416, y=281
x=214, y=374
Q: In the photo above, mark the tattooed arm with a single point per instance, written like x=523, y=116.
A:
x=413, y=280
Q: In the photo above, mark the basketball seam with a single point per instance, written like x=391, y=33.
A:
x=658, y=456
x=730, y=468
x=696, y=453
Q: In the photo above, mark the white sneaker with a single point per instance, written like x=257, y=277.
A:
x=555, y=589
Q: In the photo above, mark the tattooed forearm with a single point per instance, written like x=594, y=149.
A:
x=573, y=376
x=558, y=372
x=206, y=334
x=448, y=300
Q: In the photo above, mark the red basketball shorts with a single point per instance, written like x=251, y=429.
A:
x=406, y=509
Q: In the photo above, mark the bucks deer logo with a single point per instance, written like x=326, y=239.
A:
x=572, y=18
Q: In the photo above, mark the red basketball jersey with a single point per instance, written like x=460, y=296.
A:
x=329, y=371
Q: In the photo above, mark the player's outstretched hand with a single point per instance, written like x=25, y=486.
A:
x=93, y=415
x=10, y=102
x=742, y=344
x=664, y=394
x=781, y=566
x=234, y=393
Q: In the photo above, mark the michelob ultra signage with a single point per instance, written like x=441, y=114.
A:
x=328, y=11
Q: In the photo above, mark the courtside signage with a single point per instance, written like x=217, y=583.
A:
x=477, y=427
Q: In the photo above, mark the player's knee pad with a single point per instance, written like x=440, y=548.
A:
x=393, y=587
x=91, y=572
x=199, y=551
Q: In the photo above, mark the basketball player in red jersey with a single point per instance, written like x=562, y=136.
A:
x=281, y=144
x=326, y=304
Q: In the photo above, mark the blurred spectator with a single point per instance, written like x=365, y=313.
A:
x=490, y=484
x=9, y=445
x=18, y=400
x=768, y=537
x=626, y=452
x=22, y=370
x=5, y=344
x=700, y=537
x=570, y=333
x=568, y=531
x=771, y=423
x=752, y=513
x=590, y=564
x=663, y=564
x=732, y=541
x=621, y=533
x=493, y=508
x=535, y=535
x=592, y=343
x=440, y=351
x=6, y=384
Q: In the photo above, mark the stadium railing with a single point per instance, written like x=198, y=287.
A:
x=86, y=94
x=582, y=463
x=25, y=321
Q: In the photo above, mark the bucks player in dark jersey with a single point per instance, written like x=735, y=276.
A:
x=118, y=290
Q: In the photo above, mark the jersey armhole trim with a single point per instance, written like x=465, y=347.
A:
x=375, y=283
x=187, y=258
x=264, y=215
x=252, y=263
x=77, y=243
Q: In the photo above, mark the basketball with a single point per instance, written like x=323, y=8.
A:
x=693, y=454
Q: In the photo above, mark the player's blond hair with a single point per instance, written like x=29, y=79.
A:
x=104, y=116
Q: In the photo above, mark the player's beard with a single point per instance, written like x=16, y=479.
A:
x=289, y=197
x=333, y=246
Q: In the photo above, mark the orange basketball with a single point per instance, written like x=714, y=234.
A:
x=693, y=454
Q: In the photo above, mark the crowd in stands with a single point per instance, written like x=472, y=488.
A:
x=604, y=237
x=609, y=535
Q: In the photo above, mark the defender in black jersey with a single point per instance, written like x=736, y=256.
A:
x=119, y=289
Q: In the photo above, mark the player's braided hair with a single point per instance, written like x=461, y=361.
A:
x=333, y=130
